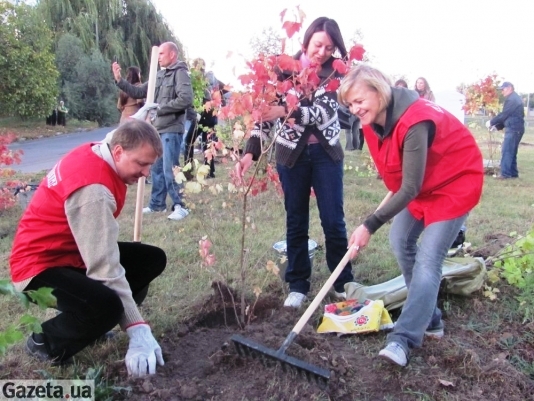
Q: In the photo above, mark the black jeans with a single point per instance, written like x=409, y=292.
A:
x=90, y=308
x=190, y=138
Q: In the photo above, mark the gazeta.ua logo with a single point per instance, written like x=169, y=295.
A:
x=79, y=390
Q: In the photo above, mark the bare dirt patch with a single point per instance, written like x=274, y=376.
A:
x=476, y=360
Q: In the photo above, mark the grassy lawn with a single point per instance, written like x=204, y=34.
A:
x=33, y=128
x=506, y=206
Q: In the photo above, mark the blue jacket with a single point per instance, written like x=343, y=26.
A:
x=512, y=116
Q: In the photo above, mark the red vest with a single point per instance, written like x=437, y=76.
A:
x=454, y=173
x=43, y=237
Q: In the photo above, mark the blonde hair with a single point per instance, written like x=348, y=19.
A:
x=374, y=79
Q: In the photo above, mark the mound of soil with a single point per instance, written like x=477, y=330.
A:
x=202, y=363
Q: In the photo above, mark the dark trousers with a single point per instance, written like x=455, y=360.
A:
x=61, y=118
x=190, y=138
x=90, y=308
x=314, y=168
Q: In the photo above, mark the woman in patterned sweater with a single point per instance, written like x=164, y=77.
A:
x=309, y=155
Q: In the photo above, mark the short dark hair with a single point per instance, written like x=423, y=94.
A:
x=134, y=133
x=401, y=82
x=330, y=26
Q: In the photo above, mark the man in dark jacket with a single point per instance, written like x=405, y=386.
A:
x=173, y=95
x=512, y=118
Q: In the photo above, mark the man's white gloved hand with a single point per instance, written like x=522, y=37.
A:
x=143, y=351
x=198, y=117
x=488, y=125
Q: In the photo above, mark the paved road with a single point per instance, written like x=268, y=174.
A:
x=42, y=154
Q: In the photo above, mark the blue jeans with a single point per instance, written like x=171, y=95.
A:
x=510, y=146
x=314, y=168
x=421, y=266
x=163, y=181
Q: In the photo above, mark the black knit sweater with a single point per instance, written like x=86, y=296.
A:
x=317, y=116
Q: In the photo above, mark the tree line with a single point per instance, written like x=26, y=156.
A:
x=63, y=49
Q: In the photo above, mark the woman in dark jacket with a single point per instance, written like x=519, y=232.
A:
x=309, y=155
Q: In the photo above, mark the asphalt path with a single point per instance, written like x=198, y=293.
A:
x=42, y=154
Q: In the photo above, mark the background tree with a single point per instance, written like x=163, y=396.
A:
x=29, y=76
x=122, y=29
x=482, y=95
x=92, y=94
x=269, y=43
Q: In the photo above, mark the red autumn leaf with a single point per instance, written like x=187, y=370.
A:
x=302, y=16
x=340, y=66
x=332, y=85
x=292, y=101
x=283, y=14
x=287, y=63
x=210, y=259
x=291, y=28
x=286, y=86
x=356, y=52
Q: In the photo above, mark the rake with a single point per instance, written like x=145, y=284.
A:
x=248, y=348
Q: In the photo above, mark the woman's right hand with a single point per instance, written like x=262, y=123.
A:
x=116, y=71
x=242, y=166
x=358, y=240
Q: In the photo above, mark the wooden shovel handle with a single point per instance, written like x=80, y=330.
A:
x=138, y=217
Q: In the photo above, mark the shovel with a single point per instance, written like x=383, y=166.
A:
x=246, y=347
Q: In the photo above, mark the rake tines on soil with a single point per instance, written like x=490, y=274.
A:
x=246, y=347
x=270, y=357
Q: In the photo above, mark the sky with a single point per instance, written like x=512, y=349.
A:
x=448, y=42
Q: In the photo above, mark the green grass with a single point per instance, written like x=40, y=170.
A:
x=33, y=128
x=506, y=206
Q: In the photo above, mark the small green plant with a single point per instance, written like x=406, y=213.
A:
x=15, y=332
x=515, y=264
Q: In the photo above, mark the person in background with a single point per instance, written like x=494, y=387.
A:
x=432, y=165
x=127, y=105
x=67, y=240
x=173, y=94
x=208, y=120
x=191, y=135
x=512, y=119
x=309, y=154
x=62, y=113
x=401, y=83
x=423, y=89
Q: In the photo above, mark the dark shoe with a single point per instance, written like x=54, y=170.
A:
x=105, y=337
x=37, y=349
x=210, y=175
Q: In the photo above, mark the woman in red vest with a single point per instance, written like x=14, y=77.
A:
x=433, y=166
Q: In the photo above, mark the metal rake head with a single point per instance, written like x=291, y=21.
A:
x=288, y=364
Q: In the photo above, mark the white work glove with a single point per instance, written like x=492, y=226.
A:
x=488, y=126
x=146, y=109
x=143, y=351
x=198, y=117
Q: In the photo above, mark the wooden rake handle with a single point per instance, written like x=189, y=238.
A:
x=333, y=277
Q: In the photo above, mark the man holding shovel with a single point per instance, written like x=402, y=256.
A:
x=67, y=240
x=174, y=95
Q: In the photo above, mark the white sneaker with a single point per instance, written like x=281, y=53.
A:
x=294, y=299
x=178, y=214
x=340, y=295
x=147, y=210
x=394, y=353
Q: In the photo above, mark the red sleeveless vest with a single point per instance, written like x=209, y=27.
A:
x=454, y=174
x=43, y=237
